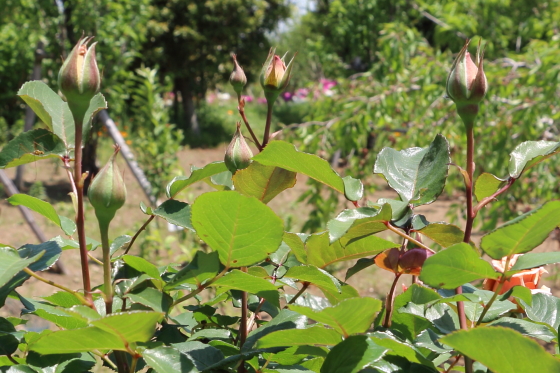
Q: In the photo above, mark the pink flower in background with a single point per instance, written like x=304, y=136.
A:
x=287, y=96
x=327, y=84
x=248, y=98
x=261, y=100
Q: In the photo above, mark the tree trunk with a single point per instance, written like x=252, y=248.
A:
x=189, y=109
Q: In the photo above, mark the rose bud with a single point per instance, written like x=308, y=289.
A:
x=411, y=262
x=467, y=84
x=107, y=192
x=275, y=75
x=237, y=78
x=389, y=260
x=79, y=79
x=238, y=153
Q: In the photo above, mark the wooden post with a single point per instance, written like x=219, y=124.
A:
x=115, y=134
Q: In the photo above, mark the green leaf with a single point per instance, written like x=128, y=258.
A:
x=361, y=264
x=181, y=182
x=151, y=298
x=525, y=327
x=134, y=326
x=321, y=254
x=353, y=188
x=63, y=299
x=142, y=265
x=455, y=266
x=119, y=243
x=17, y=369
x=544, y=309
x=96, y=104
x=529, y=153
x=315, y=276
x=523, y=233
x=296, y=245
x=76, y=340
x=241, y=229
x=31, y=146
x=486, y=185
x=502, y=350
x=11, y=263
x=443, y=234
x=417, y=174
x=175, y=212
x=165, y=359
x=285, y=155
x=314, y=336
x=53, y=314
x=429, y=339
x=203, y=267
x=519, y=292
x=67, y=225
x=51, y=109
x=352, y=355
x=532, y=260
x=401, y=348
x=37, y=205
x=353, y=224
x=285, y=320
x=202, y=355
x=245, y=282
x=263, y=182
x=411, y=324
x=363, y=312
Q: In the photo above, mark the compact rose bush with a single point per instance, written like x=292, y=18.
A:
x=169, y=318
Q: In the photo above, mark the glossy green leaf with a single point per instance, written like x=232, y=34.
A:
x=165, y=359
x=454, y=267
x=181, y=182
x=121, y=242
x=77, y=340
x=363, y=311
x=17, y=369
x=313, y=336
x=285, y=155
x=525, y=327
x=220, y=181
x=263, y=182
x=37, y=205
x=532, y=260
x=175, y=212
x=314, y=276
x=429, y=339
x=50, y=108
x=523, y=233
x=400, y=348
x=96, y=104
x=443, y=234
x=203, y=267
x=335, y=297
x=63, y=299
x=142, y=265
x=285, y=320
x=245, y=282
x=11, y=263
x=417, y=174
x=519, y=292
x=353, y=188
x=361, y=264
x=241, y=229
x=357, y=223
x=352, y=355
x=134, y=326
x=53, y=314
x=68, y=225
x=31, y=146
x=486, y=185
x=411, y=324
x=529, y=153
x=152, y=298
x=544, y=309
x=201, y=354
x=518, y=355
x=321, y=254
x=296, y=245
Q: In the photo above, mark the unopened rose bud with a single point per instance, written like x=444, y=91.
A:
x=237, y=78
x=275, y=75
x=238, y=153
x=411, y=262
x=107, y=192
x=467, y=84
x=79, y=79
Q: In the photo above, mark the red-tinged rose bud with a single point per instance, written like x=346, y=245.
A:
x=411, y=262
x=107, y=192
x=238, y=153
x=237, y=78
x=467, y=84
x=275, y=75
x=79, y=79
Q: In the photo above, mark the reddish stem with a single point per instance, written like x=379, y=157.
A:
x=241, y=109
x=389, y=302
x=268, y=123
